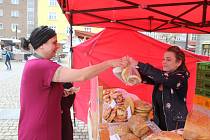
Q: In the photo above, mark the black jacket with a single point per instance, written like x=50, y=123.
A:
x=169, y=95
x=66, y=103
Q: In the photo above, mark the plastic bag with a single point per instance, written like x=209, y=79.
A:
x=129, y=75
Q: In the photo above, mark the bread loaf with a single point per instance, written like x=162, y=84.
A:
x=197, y=126
x=138, y=126
x=129, y=136
x=164, y=135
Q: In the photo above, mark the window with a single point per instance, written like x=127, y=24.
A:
x=30, y=3
x=194, y=37
x=15, y=1
x=30, y=16
x=88, y=29
x=14, y=13
x=30, y=22
x=1, y=26
x=1, y=1
x=52, y=16
x=14, y=27
x=68, y=30
x=53, y=27
x=52, y=2
x=1, y=13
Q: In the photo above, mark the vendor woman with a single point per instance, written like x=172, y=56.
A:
x=170, y=88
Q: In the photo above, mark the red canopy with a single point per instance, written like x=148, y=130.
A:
x=115, y=43
x=189, y=16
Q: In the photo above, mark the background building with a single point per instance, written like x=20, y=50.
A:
x=31, y=16
x=13, y=18
x=198, y=43
x=50, y=13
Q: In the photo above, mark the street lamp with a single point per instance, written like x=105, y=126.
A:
x=16, y=30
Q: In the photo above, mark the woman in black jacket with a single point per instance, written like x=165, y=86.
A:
x=170, y=88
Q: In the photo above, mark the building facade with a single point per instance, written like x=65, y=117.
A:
x=198, y=43
x=49, y=13
x=31, y=16
x=13, y=18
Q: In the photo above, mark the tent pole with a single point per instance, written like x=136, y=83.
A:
x=186, y=44
x=71, y=53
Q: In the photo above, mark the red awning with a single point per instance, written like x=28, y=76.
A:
x=182, y=16
x=116, y=43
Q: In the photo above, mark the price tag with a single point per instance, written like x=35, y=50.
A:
x=115, y=137
x=113, y=104
x=129, y=112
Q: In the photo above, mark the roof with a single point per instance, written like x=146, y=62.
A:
x=83, y=34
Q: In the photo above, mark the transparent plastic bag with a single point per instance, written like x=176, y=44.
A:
x=129, y=75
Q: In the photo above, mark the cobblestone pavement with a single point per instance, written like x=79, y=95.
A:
x=9, y=104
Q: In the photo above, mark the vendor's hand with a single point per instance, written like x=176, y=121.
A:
x=132, y=62
x=118, y=62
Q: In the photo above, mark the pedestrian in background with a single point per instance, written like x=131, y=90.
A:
x=8, y=57
x=41, y=87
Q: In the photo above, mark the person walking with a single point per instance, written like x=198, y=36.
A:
x=7, y=58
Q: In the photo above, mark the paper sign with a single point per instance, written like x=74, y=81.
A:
x=115, y=137
x=113, y=104
x=129, y=112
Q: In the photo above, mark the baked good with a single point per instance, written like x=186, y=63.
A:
x=107, y=98
x=122, y=129
x=129, y=136
x=138, y=125
x=164, y=135
x=112, y=115
x=119, y=99
x=107, y=113
x=129, y=102
x=121, y=114
x=125, y=74
x=130, y=78
x=141, y=106
x=133, y=79
x=197, y=126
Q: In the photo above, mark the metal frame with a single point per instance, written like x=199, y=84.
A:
x=131, y=5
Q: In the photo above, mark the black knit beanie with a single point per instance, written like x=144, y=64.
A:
x=40, y=36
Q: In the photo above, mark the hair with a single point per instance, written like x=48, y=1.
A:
x=38, y=37
x=180, y=56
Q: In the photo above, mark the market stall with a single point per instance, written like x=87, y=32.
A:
x=122, y=19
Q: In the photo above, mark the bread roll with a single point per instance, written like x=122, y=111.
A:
x=133, y=79
x=138, y=125
x=130, y=77
x=122, y=129
x=197, y=126
x=129, y=136
x=164, y=135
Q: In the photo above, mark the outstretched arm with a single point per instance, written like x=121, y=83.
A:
x=64, y=74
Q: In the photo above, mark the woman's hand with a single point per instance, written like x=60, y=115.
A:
x=70, y=91
x=132, y=62
x=122, y=62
